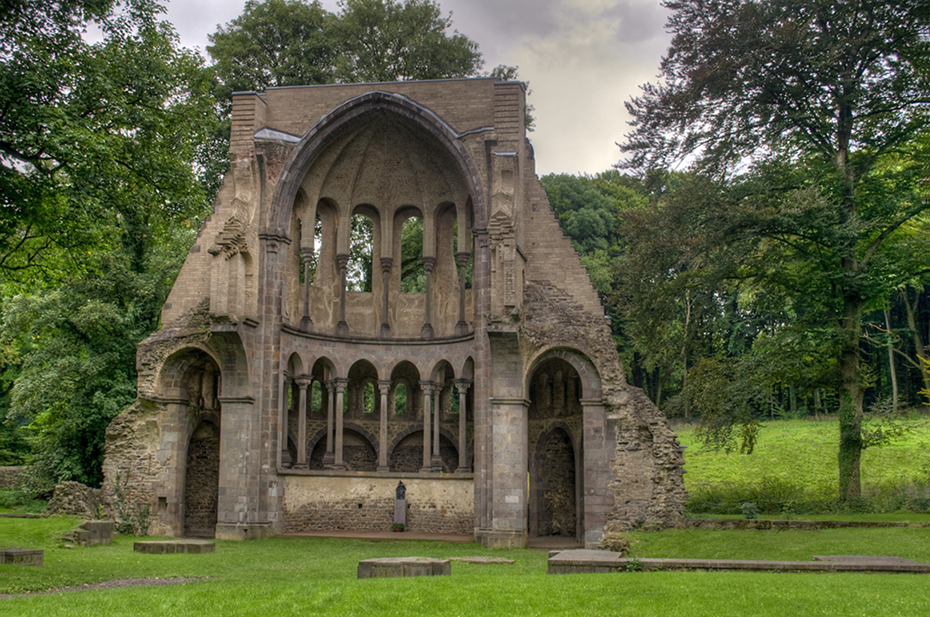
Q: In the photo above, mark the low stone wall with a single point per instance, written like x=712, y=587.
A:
x=327, y=503
x=9, y=475
x=761, y=523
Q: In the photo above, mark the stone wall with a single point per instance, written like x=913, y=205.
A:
x=9, y=475
x=326, y=503
x=646, y=486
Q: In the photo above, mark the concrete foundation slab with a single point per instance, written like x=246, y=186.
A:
x=174, y=546
x=396, y=567
x=22, y=556
x=590, y=562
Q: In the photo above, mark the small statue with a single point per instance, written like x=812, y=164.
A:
x=401, y=490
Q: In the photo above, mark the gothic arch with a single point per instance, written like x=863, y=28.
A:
x=344, y=116
x=587, y=372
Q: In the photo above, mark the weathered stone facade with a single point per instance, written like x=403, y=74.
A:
x=318, y=347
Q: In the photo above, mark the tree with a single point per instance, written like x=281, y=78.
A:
x=295, y=42
x=386, y=40
x=101, y=196
x=275, y=43
x=835, y=85
x=93, y=137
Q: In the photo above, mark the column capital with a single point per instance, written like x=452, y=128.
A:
x=384, y=385
x=306, y=251
x=428, y=263
x=428, y=386
x=387, y=263
x=462, y=384
x=303, y=382
x=340, y=384
x=342, y=260
x=462, y=259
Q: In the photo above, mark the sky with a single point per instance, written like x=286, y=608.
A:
x=582, y=59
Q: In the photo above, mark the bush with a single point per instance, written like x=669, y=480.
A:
x=21, y=501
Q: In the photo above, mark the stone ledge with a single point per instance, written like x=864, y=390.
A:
x=601, y=562
x=762, y=523
x=22, y=556
x=165, y=547
x=396, y=567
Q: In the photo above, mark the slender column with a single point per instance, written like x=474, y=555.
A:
x=427, y=330
x=427, y=388
x=386, y=263
x=285, y=414
x=462, y=386
x=342, y=328
x=461, y=328
x=384, y=387
x=329, y=458
x=302, y=383
x=340, y=390
x=306, y=324
x=436, y=459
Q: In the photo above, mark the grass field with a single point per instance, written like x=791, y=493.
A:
x=311, y=576
x=796, y=461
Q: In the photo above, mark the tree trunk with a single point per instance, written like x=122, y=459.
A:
x=891, y=369
x=850, y=451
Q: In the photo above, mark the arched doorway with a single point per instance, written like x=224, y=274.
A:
x=202, y=481
x=200, y=386
x=555, y=424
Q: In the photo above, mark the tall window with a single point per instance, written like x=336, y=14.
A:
x=358, y=271
x=400, y=399
x=412, y=272
x=317, y=244
x=455, y=251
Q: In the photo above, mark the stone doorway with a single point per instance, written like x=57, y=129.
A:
x=202, y=481
x=555, y=459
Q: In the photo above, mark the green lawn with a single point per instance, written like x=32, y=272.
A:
x=796, y=460
x=310, y=576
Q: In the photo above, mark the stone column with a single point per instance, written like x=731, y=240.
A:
x=306, y=324
x=285, y=415
x=427, y=330
x=386, y=263
x=329, y=458
x=436, y=459
x=462, y=386
x=597, y=502
x=342, y=328
x=340, y=390
x=427, y=388
x=302, y=383
x=461, y=328
x=384, y=387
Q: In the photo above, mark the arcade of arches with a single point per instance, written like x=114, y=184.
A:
x=383, y=293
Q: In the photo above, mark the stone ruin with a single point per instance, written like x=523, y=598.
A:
x=383, y=293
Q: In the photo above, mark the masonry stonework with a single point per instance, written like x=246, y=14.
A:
x=383, y=293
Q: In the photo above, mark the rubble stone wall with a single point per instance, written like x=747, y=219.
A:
x=325, y=503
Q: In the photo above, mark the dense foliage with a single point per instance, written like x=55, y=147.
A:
x=100, y=195
x=806, y=113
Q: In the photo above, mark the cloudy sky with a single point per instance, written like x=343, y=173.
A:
x=582, y=59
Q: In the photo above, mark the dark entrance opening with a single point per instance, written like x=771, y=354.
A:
x=555, y=504
x=201, y=488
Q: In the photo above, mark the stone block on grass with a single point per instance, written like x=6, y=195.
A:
x=22, y=556
x=396, y=567
x=165, y=547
